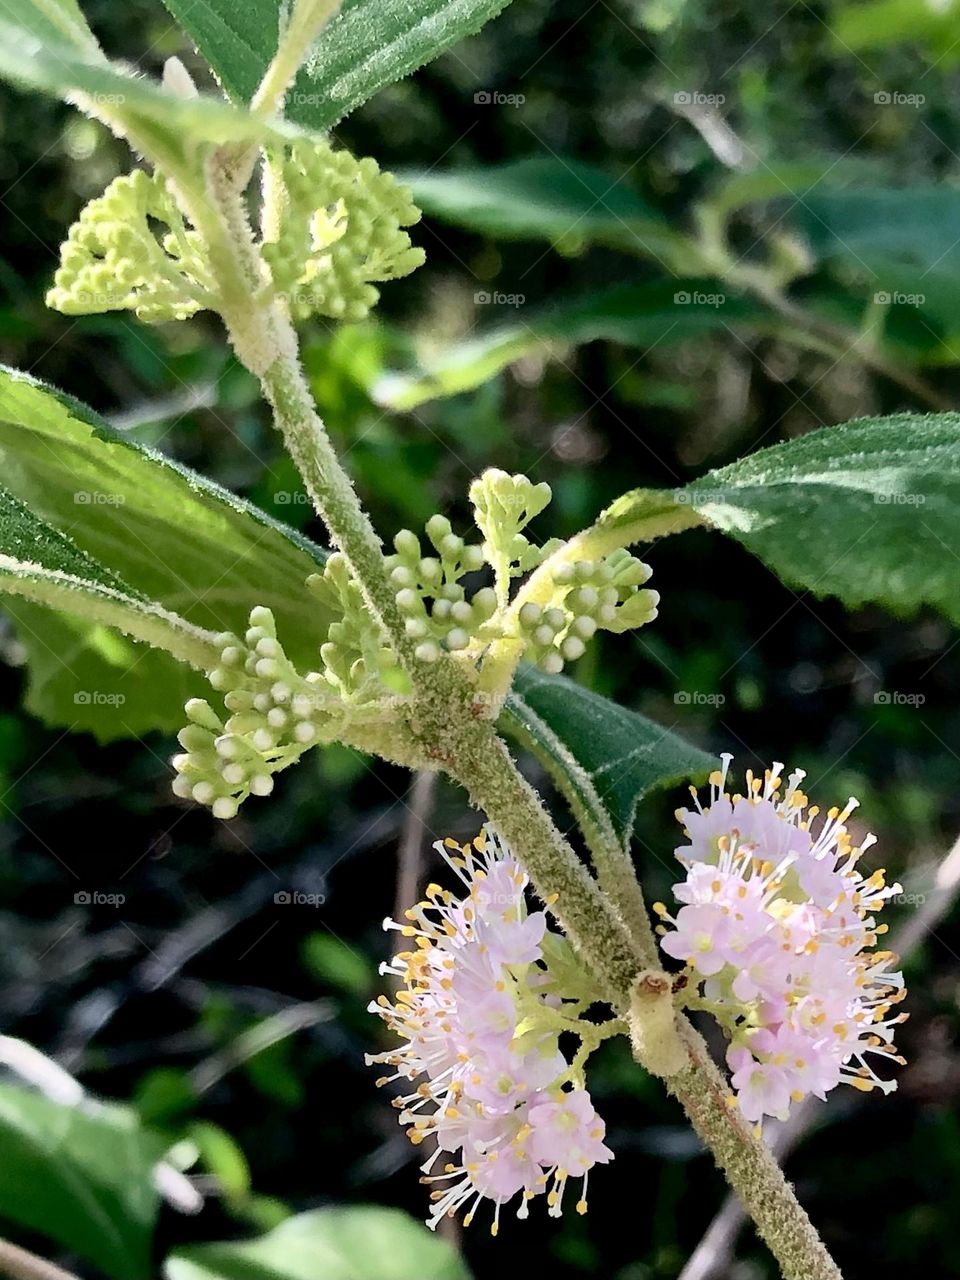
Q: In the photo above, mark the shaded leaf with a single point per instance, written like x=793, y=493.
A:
x=81, y=1176
x=658, y=313
x=362, y=1243
x=546, y=198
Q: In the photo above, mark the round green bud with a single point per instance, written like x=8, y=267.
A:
x=530, y=615
x=225, y=807
x=438, y=528
x=457, y=638
x=484, y=602
x=407, y=544
x=429, y=651
x=572, y=648
x=554, y=618
x=552, y=663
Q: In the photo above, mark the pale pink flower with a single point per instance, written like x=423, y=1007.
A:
x=776, y=930
x=479, y=1014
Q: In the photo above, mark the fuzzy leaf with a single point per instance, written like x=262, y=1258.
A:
x=368, y=45
x=127, y=508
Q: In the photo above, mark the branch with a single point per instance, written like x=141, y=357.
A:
x=19, y=1264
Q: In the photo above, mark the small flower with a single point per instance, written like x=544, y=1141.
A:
x=480, y=1015
x=776, y=930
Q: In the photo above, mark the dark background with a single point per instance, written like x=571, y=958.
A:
x=142, y=999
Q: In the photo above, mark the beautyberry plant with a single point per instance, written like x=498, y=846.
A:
x=430, y=652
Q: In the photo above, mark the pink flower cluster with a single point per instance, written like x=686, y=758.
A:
x=480, y=1016
x=776, y=928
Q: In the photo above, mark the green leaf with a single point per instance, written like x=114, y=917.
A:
x=547, y=198
x=32, y=57
x=94, y=679
x=902, y=245
x=41, y=564
x=52, y=21
x=604, y=757
x=82, y=1176
x=369, y=45
x=868, y=511
x=127, y=507
x=658, y=313
x=362, y=1243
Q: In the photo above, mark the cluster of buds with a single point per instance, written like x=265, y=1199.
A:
x=275, y=715
x=430, y=594
x=480, y=1012
x=339, y=226
x=114, y=260
x=356, y=662
x=776, y=929
x=585, y=596
x=589, y=595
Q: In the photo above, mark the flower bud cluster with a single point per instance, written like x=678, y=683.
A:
x=430, y=596
x=589, y=596
x=114, y=260
x=340, y=227
x=276, y=715
x=354, y=657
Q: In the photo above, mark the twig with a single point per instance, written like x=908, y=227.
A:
x=19, y=1264
x=415, y=828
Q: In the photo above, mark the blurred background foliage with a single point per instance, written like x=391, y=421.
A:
x=233, y=1021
